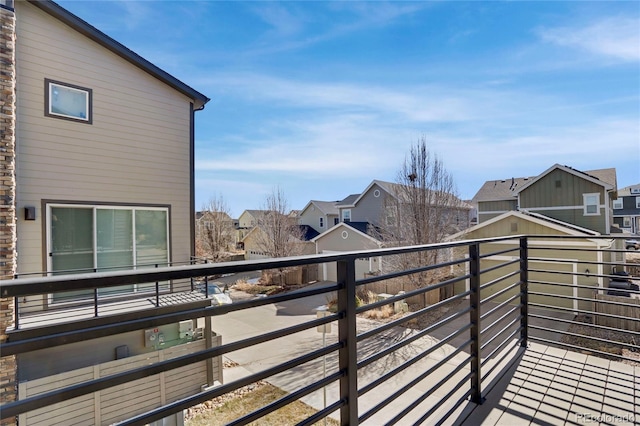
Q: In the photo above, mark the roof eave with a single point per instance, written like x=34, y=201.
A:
x=119, y=49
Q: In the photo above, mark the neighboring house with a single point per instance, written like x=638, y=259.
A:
x=247, y=220
x=371, y=217
x=560, y=192
x=254, y=246
x=529, y=223
x=104, y=171
x=207, y=221
x=626, y=209
x=378, y=204
x=320, y=215
x=345, y=237
x=560, y=201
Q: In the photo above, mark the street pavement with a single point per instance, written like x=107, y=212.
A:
x=243, y=324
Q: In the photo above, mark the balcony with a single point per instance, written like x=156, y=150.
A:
x=504, y=330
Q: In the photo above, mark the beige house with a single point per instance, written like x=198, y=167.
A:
x=574, y=261
x=345, y=237
x=102, y=145
x=254, y=249
x=104, y=149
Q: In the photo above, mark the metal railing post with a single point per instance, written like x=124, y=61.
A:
x=524, y=291
x=157, y=291
x=16, y=313
x=474, y=316
x=347, y=334
x=95, y=298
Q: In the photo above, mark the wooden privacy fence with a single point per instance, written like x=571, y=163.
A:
x=124, y=401
x=631, y=312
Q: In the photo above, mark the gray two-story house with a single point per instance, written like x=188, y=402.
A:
x=626, y=209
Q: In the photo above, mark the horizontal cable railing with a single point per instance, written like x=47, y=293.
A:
x=403, y=333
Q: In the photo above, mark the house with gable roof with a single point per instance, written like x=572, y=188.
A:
x=561, y=201
x=97, y=174
x=371, y=216
x=626, y=209
x=320, y=215
x=560, y=192
x=345, y=237
x=379, y=205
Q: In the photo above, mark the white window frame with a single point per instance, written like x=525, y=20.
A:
x=95, y=208
x=346, y=215
x=637, y=202
x=617, y=204
x=626, y=221
x=587, y=204
x=53, y=89
x=321, y=222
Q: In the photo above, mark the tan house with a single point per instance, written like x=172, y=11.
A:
x=346, y=237
x=102, y=145
x=254, y=249
x=584, y=261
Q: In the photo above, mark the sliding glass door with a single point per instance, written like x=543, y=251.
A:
x=106, y=238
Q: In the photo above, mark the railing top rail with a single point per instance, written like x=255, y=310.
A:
x=85, y=281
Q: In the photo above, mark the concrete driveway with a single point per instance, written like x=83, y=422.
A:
x=243, y=324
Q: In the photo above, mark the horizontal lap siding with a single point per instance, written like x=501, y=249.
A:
x=123, y=401
x=136, y=150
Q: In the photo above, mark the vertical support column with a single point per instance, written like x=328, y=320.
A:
x=524, y=291
x=8, y=219
x=208, y=339
x=474, y=317
x=347, y=334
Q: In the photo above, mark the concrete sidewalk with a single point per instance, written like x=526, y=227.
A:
x=243, y=324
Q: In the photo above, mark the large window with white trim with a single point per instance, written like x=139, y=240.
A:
x=85, y=238
x=591, y=204
x=617, y=204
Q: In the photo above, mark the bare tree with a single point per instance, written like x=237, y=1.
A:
x=215, y=230
x=279, y=234
x=424, y=210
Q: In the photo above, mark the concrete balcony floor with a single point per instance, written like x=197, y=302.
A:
x=552, y=386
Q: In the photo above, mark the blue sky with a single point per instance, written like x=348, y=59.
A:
x=320, y=98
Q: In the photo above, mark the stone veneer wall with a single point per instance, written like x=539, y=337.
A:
x=8, y=255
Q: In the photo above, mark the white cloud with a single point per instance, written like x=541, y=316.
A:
x=614, y=37
x=420, y=104
x=356, y=130
x=294, y=30
x=283, y=21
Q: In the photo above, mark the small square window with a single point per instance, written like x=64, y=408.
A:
x=67, y=101
x=591, y=204
x=617, y=204
x=637, y=202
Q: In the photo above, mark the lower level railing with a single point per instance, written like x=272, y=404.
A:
x=415, y=340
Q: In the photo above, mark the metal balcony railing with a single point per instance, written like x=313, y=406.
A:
x=466, y=309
